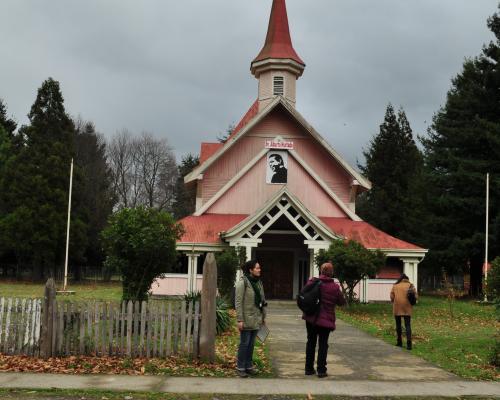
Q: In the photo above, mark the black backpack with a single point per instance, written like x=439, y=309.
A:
x=309, y=298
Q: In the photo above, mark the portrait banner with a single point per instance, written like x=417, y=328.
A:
x=277, y=167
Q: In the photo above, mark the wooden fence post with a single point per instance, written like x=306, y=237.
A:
x=47, y=333
x=208, y=309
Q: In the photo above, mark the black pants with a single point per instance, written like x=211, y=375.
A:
x=313, y=333
x=399, y=329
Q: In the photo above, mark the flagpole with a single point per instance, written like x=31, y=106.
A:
x=486, y=241
x=67, y=228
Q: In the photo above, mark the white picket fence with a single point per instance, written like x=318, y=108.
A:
x=20, y=322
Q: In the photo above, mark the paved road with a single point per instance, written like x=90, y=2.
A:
x=353, y=355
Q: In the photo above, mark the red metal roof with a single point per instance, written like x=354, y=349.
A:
x=250, y=114
x=208, y=149
x=278, y=41
x=366, y=234
x=206, y=228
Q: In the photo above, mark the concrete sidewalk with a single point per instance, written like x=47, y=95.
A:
x=353, y=354
x=248, y=386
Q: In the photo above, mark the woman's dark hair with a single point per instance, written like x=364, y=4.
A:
x=403, y=276
x=249, y=265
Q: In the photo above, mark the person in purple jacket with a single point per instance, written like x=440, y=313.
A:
x=321, y=324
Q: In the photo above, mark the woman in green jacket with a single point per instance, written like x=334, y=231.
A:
x=251, y=314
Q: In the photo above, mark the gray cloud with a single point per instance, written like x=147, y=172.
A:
x=180, y=69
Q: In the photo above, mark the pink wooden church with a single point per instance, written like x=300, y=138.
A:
x=278, y=188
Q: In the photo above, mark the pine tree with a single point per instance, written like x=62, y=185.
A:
x=36, y=187
x=393, y=165
x=185, y=196
x=463, y=144
x=8, y=123
x=97, y=198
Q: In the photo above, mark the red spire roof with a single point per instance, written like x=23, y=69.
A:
x=278, y=41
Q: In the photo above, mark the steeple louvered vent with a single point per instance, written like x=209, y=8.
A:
x=279, y=86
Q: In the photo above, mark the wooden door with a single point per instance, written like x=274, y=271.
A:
x=277, y=273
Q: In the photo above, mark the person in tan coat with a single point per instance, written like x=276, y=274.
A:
x=402, y=308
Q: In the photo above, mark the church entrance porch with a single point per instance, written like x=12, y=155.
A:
x=277, y=273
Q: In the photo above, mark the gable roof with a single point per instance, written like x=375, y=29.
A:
x=278, y=101
x=283, y=194
x=207, y=150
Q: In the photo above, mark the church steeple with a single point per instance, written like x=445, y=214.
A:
x=278, y=66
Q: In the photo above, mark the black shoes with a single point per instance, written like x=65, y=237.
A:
x=310, y=372
x=322, y=374
x=251, y=372
x=408, y=346
x=241, y=373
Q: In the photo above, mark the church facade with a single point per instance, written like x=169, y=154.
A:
x=277, y=188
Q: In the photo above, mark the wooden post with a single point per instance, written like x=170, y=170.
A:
x=49, y=301
x=208, y=311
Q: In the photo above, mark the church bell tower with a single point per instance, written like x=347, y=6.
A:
x=278, y=66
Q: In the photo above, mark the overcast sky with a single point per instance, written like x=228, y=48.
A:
x=180, y=69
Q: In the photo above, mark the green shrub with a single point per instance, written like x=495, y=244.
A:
x=223, y=318
x=228, y=263
x=351, y=263
x=140, y=243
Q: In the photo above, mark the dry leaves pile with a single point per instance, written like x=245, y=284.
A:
x=226, y=349
x=113, y=365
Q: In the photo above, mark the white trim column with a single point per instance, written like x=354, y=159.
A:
x=192, y=271
x=313, y=271
x=314, y=247
x=410, y=268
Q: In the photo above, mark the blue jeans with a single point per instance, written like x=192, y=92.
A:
x=245, y=351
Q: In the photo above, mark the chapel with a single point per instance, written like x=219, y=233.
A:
x=277, y=188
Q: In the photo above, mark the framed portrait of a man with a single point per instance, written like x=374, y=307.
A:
x=277, y=167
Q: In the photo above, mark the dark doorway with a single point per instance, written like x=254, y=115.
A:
x=277, y=273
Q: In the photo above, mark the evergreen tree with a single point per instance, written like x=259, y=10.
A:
x=185, y=195
x=393, y=165
x=97, y=198
x=463, y=144
x=8, y=123
x=36, y=188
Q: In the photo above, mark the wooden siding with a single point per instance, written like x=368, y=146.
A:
x=174, y=285
x=251, y=192
x=278, y=122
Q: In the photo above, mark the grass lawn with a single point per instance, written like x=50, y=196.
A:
x=460, y=340
x=85, y=291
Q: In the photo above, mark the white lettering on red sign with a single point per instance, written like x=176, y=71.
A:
x=284, y=144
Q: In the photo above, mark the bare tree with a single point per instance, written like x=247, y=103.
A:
x=145, y=170
x=121, y=161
